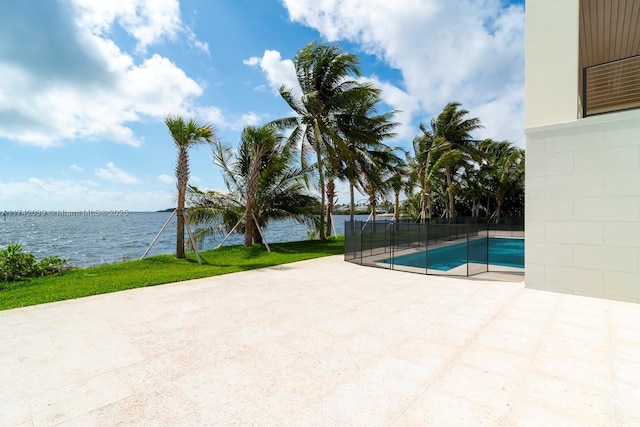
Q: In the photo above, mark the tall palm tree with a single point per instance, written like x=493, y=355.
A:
x=257, y=153
x=185, y=134
x=452, y=132
x=365, y=151
x=326, y=77
x=264, y=181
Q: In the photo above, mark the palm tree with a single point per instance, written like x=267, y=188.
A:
x=412, y=205
x=452, y=132
x=365, y=152
x=377, y=175
x=325, y=75
x=185, y=134
x=473, y=188
x=423, y=166
x=257, y=153
x=400, y=181
x=504, y=165
x=264, y=181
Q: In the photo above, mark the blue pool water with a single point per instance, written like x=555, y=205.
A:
x=492, y=250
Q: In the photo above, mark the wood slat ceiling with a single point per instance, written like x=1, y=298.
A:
x=609, y=30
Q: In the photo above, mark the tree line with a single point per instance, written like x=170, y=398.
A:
x=289, y=167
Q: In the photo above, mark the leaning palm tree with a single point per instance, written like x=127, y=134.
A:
x=264, y=181
x=185, y=134
x=457, y=147
x=326, y=78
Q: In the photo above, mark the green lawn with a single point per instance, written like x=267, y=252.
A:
x=158, y=270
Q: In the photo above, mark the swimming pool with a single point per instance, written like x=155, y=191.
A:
x=505, y=252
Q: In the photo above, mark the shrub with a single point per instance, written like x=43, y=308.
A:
x=17, y=265
x=50, y=266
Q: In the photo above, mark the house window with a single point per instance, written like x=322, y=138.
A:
x=609, y=56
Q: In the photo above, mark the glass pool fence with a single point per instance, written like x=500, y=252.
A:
x=457, y=247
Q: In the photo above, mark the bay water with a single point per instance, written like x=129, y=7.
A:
x=91, y=238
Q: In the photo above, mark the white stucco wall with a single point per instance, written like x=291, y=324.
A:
x=582, y=229
x=551, y=66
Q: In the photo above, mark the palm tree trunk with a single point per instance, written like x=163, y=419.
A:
x=423, y=197
x=182, y=177
x=396, y=207
x=180, y=253
x=257, y=237
x=323, y=203
x=423, y=205
x=451, y=207
x=352, y=196
x=331, y=194
x=374, y=206
x=252, y=184
x=498, y=209
x=320, y=166
x=249, y=228
x=488, y=203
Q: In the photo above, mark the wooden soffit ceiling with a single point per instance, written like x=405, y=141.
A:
x=609, y=30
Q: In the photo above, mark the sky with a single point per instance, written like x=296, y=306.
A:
x=85, y=85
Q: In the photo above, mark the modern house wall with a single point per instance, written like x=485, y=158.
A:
x=551, y=65
x=582, y=186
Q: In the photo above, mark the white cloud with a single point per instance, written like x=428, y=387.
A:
x=215, y=116
x=52, y=194
x=254, y=60
x=467, y=51
x=278, y=71
x=76, y=168
x=212, y=115
x=64, y=79
x=112, y=173
x=167, y=179
x=148, y=21
x=251, y=119
x=158, y=86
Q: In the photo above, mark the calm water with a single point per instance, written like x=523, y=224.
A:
x=495, y=251
x=92, y=240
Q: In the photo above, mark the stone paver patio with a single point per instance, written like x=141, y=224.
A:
x=322, y=342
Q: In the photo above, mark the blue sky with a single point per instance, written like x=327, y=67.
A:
x=86, y=84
